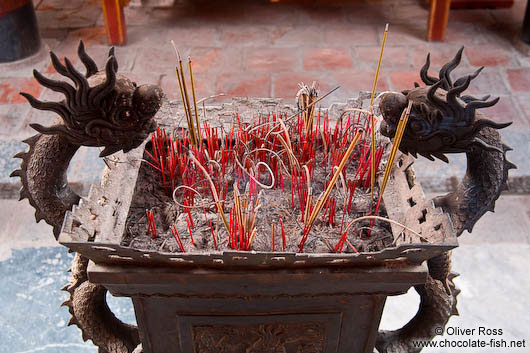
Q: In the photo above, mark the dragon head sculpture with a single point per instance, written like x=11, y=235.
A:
x=441, y=120
x=103, y=109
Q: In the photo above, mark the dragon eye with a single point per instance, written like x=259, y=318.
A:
x=415, y=125
x=392, y=105
x=147, y=99
x=126, y=115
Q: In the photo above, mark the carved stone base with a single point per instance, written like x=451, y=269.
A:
x=226, y=311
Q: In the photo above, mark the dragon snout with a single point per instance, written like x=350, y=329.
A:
x=148, y=99
x=391, y=105
x=386, y=130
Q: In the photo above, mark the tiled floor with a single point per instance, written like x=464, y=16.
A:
x=256, y=48
x=261, y=49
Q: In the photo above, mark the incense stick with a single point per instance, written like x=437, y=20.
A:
x=212, y=188
x=177, y=71
x=379, y=64
x=195, y=137
x=194, y=100
x=395, y=146
x=191, y=127
x=372, y=119
x=182, y=96
x=321, y=201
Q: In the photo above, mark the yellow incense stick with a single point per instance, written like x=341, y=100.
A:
x=372, y=157
x=379, y=64
x=372, y=120
x=182, y=96
x=309, y=199
x=252, y=236
x=194, y=101
x=321, y=201
x=191, y=127
x=395, y=146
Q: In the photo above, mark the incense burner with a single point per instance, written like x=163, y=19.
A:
x=234, y=300
x=186, y=302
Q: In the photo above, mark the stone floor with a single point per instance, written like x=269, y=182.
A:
x=492, y=263
x=255, y=48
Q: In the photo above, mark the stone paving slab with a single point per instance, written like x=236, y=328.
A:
x=33, y=268
x=510, y=223
x=86, y=168
x=30, y=297
x=495, y=286
x=20, y=230
x=8, y=148
x=492, y=262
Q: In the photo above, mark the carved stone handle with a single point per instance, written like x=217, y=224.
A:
x=43, y=176
x=443, y=121
x=88, y=306
x=436, y=307
x=104, y=109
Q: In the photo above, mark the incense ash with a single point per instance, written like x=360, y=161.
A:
x=206, y=189
x=278, y=184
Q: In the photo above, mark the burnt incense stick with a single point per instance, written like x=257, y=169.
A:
x=311, y=104
x=304, y=97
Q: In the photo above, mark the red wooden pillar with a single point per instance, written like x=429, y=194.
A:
x=115, y=21
x=438, y=16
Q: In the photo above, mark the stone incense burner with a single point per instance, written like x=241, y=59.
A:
x=255, y=301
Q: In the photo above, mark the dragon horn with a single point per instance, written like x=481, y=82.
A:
x=428, y=80
x=91, y=67
x=445, y=71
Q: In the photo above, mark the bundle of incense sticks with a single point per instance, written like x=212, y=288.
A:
x=194, y=126
x=304, y=98
x=242, y=228
x=283, y=147
x=395, y=146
